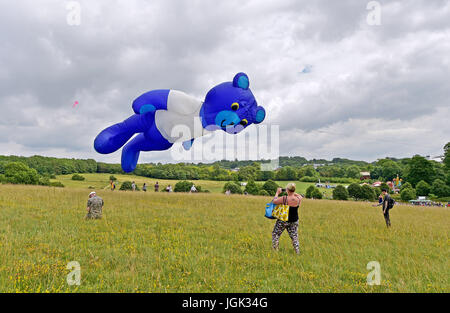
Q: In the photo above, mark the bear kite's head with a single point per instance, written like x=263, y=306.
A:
x=231, y=106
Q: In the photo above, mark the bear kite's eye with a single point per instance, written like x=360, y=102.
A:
x=244, y=122
x=235, y=106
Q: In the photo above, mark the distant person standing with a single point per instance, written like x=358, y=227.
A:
x=144, y=187
x=156, y=187
x=133, y=186
x=94, y=206
x=387, y=204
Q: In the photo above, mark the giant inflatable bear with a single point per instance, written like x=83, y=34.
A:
x=230, y=107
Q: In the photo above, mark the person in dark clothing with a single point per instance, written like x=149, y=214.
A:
x=386, y=205
x=380, y=199
x=293, y=200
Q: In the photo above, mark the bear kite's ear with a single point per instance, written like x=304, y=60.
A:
x=241, y=80
x=259, y=114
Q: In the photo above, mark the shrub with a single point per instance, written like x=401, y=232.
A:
x=316, y=194
x=252, y=188
x=271, y=187
x=355, y=191
x=112, y=177
x=367, y=193
x=19, y=173
x=57, y=184
x=340, y=193
x=2, y=178
x=234, y=188
x=44, y=181
x=263, y=192
x=313, y=192
x=308, y=179
x=183, y=186
x=422, y=188
x=78, y=177
x=408, y=194
x=126, y=185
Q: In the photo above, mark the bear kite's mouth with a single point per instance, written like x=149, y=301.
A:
x=225, y=126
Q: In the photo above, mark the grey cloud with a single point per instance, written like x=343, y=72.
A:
x=398, y=71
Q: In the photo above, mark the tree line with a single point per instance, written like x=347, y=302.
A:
x=420, y=173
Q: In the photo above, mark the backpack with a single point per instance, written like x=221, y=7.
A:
x=391, y=203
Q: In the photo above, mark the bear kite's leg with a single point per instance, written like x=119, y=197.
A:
x=115, y=136
x=151, y=141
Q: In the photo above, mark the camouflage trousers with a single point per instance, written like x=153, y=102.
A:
x=292, y=229
x=93, y=215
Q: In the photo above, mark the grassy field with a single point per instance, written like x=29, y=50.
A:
x=101, y=181
x=148, y=242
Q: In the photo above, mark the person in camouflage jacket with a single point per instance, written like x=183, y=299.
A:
x=94, y=206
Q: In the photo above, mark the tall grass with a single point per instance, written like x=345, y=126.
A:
x=148, y=242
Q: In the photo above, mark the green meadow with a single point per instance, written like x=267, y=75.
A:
x=160, y=242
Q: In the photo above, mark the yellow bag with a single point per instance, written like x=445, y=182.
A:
x=281, y=211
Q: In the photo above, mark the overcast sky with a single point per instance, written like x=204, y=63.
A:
x=335, y=85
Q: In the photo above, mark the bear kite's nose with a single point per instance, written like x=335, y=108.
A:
x=226, y=118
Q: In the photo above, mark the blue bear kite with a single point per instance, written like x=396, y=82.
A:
x=229, y=106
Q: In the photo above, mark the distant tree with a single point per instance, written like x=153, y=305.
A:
x=422, y=188
x=247, y=172
x=265, y=175
x=183, y=186
x=388, y=169
x=440, y=189
x=368, y=193
x=307, y=171
x=406, y=185
x=386, y=186
x=316, y=194
x=270, y=186
x=447, y=157
x=419, y=169
x=20, y=173
x=252, y=188
x=354, y=191
x=233, y=187
x=127, y=185
x=408, y=194
x=353, y=172
x=340, y=193
x=309, y=191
